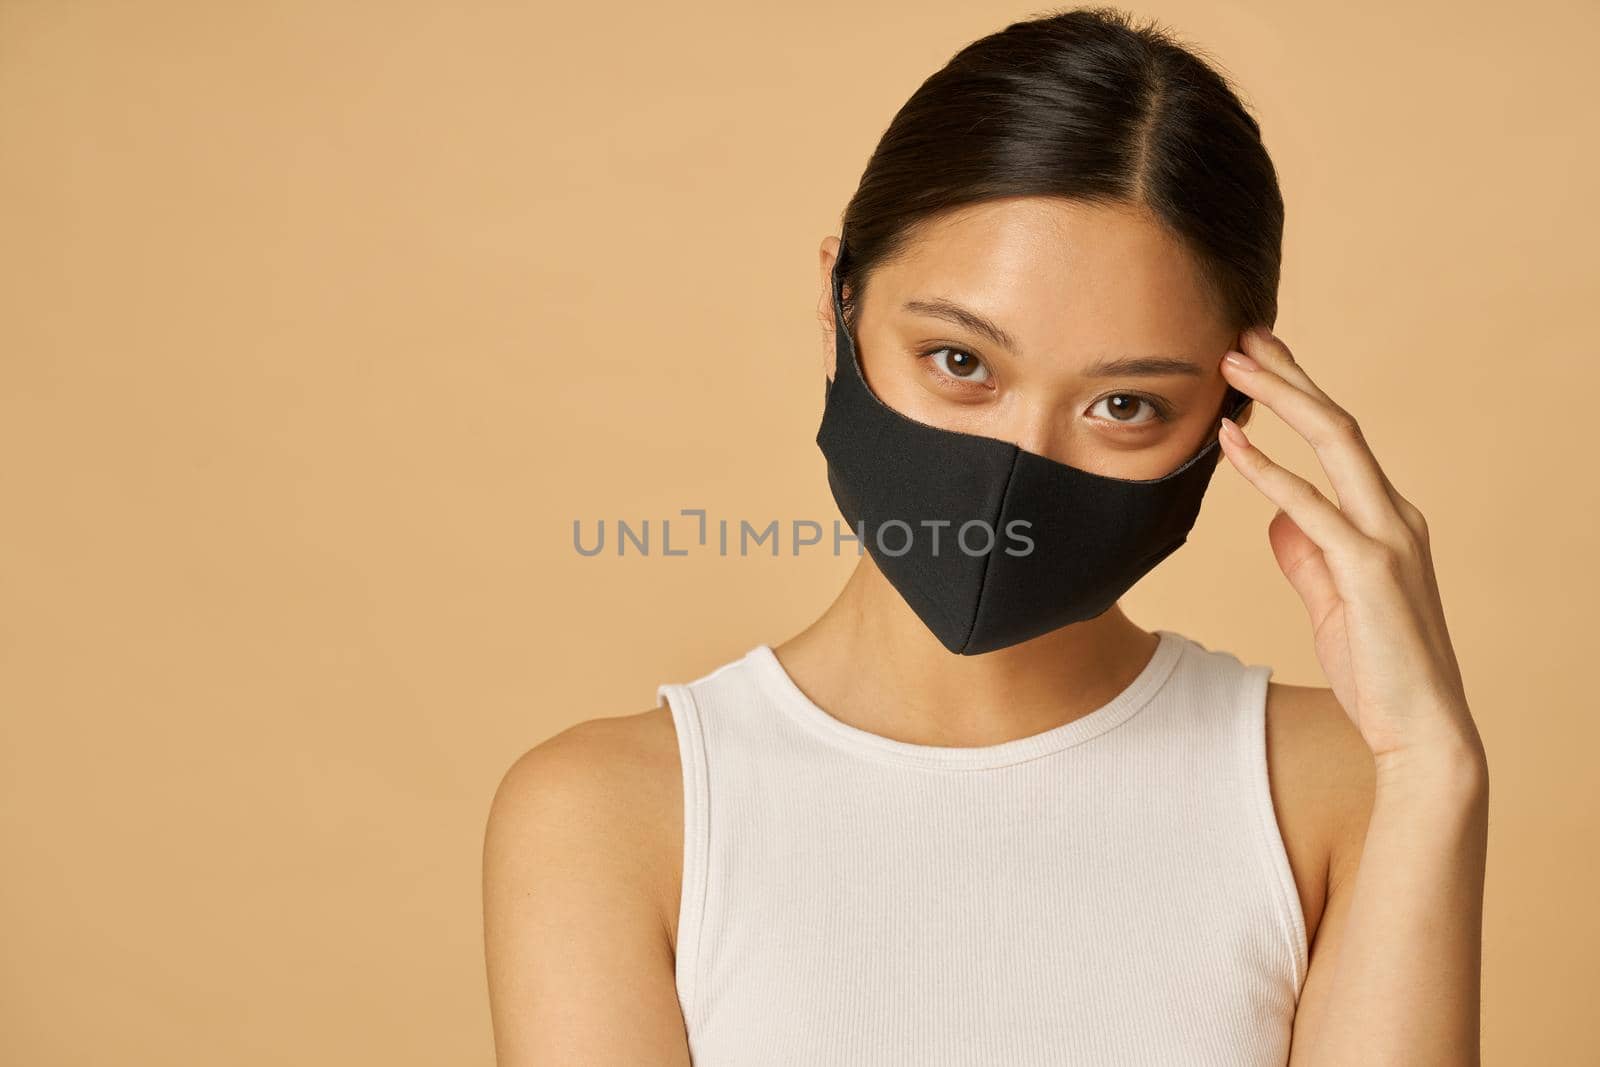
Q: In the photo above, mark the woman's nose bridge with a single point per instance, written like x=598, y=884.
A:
x=1041, y=428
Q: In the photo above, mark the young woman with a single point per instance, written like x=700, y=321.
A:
x=974, y=814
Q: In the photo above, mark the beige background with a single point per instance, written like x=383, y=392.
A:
x=322, y=321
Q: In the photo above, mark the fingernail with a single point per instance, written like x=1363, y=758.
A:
x=1240, y=360
x=1232, y=431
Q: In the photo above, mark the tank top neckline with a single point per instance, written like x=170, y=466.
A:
x=1119, y=709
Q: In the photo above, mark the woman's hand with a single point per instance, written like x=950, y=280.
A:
x=1362, y=567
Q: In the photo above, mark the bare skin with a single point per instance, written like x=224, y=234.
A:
x=1378, y=781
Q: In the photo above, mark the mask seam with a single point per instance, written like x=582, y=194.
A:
x=988, y=563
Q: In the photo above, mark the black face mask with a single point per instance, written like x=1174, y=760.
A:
x=988, y=543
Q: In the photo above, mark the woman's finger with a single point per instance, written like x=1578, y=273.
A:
x=1317, y=516
x=1269, y=374
x=1290, y=369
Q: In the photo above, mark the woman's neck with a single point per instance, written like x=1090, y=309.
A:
x=870, y=662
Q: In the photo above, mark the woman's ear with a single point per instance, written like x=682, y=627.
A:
x=827, y=255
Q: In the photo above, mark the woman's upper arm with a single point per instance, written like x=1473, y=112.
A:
x=1325, y=798
x=577, y=923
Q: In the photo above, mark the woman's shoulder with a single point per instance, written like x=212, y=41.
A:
x=608, y=793
x=579, y=937
x=1321, y=776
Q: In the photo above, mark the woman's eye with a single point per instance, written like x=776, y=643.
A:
x=963, y=366
x=1125, y=407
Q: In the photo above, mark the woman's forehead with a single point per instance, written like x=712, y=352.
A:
x=1047, y=273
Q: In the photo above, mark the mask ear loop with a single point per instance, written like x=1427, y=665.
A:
x=1243, y=401
x=1234, y=403
x=836, y=292
x=837, y=283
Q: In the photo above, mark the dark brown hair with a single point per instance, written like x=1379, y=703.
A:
x=1087, y=105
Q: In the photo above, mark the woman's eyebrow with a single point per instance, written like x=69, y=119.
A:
x=1143, y=367
x=951, y=311
x=1124, y=367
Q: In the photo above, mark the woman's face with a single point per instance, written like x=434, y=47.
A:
x=1081, y=332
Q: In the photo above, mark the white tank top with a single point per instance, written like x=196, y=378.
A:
x=1110, y=891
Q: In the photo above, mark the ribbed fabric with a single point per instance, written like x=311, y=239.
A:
x=1111, y=891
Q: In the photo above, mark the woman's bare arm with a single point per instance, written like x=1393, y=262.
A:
x=1397, y=978
x=579, y=853
x=1394, y=975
